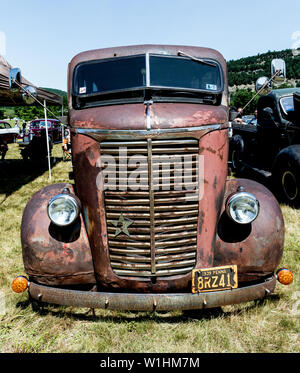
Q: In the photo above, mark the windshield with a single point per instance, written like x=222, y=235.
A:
x=113, y=75
x=145, y=72
x=4, y=125
x=183, y=73
x=287, y=104
x=40, y=124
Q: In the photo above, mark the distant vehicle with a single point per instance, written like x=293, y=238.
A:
x=54, y=129
x=33, y=146
x=272, y=147
x=12, y=95
x=8, y=133
x=36, y=149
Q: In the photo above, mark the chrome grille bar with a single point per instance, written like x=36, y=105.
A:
x=151, y=200
x=161, y=237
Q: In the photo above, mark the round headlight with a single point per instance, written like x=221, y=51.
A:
x=242, y=207
x=63, y=209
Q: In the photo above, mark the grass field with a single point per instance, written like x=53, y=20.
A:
x=270, y=325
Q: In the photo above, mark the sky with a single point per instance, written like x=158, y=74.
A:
x=41, y=37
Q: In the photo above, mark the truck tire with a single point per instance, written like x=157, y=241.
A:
x=286, y=175
x=236, y=153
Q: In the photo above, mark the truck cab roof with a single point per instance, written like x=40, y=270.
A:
x=146, y=72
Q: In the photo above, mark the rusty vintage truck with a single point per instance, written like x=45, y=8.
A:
x=151, y=222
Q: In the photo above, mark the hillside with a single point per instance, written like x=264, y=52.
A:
x=245, y=71
x=59, y=92
x=56, y=91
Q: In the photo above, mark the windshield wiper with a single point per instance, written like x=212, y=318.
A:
x=196, y=59
x=173, y=92
x=177, y=95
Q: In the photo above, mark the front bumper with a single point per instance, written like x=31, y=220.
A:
x=150, y=302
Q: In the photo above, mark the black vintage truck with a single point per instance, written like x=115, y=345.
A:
x=272, y=147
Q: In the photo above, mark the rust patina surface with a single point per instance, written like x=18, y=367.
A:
x=53, y=255
x=86, y=156
x=151, y=302
x=85, y=252
x=256, y=248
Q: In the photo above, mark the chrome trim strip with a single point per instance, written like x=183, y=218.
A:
x=147, y=70
x=151, y=198
x=96, y=131
x=148, y=115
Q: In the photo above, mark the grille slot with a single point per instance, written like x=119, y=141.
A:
x=151, y=202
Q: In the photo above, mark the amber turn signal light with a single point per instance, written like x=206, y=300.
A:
x=284, y=276
x=19, y=284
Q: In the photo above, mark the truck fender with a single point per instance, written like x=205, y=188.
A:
x=54, y=255
x=255, y=248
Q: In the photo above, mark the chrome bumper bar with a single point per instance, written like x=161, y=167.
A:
x=150, y=302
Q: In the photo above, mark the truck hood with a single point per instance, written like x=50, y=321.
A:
x=162, y=116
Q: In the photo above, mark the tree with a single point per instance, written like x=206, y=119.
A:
x=29, y=112
x=241, y=97
x=285, y=85
x=246, y=70
x=7, y=112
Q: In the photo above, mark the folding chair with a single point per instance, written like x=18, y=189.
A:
x=66, y=151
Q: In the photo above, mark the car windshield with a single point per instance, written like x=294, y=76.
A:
x=153, y=72
x=4, y=125
x=287, y=104
x=40, y=124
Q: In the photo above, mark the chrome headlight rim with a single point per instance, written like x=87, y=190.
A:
x=236, y=196
x=70, y=198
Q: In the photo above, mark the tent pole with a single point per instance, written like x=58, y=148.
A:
x=47, y=139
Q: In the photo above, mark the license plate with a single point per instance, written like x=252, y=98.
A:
x=214, y=279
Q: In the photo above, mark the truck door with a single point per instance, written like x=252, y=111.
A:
x=268, y=130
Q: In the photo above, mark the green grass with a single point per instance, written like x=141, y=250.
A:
x=270, y=325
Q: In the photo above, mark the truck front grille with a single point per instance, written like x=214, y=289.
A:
x=151, y=200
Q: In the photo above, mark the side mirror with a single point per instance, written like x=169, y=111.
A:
x=263, y=82
x=29, y=95
x=14, y=75
x=278, y=64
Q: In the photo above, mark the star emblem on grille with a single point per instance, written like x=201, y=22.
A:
x=122, y=225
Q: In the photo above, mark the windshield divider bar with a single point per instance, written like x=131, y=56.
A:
x=147, y=70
